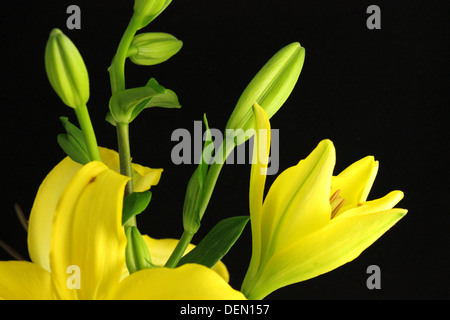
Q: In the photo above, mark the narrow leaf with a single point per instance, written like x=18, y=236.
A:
x=217, y=242
x=134, y=204
x=72, y=142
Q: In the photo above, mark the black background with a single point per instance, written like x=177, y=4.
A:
x=378, y=92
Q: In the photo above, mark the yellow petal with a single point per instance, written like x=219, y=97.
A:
x=143, y=177
x=41, y=216
x=188, y=282
x=87, y=232
x=258, y=173
x=161, y=249
x=298, y=203
x=325, y=250
x=356, y=181
x=23, y=280
x=385, y=203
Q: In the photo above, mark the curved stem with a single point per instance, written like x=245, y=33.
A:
x=180, y=249
x=211, y=179
x=117, y=69
x=88, y=132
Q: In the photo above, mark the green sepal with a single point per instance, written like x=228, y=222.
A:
x=134, y=204
x=216, y=244
x=137, y=256
x=125, y=106
x=72, y=142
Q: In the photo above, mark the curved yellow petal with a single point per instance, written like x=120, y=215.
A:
x=261, y=149
x=298, y=201
x=161, y=249
x=356, y=181
x=23, y=280
x=143, y=177
x=47, y=197
x=324, y=250
x=87, y=233
x=188, y=282
x=385, y=203
x=41, y=216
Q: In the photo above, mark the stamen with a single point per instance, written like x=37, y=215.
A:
x=13, y=253
x=336, y=203
x=335, y=195
x=21, y=216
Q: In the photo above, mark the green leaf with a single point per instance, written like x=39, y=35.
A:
x=72, y=142
x=122, y=103
x=217, y=242
x=134, y=204
x=126, y=105
x=137, y=256
x=206, y=153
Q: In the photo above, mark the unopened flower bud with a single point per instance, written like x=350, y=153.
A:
x=137, y=256
x=153, y=48
x=148, y=7
x=270, y=88
x=66, y=70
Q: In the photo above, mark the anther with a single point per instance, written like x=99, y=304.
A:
x=336, y=203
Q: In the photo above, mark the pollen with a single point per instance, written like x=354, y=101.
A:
x=336, y=203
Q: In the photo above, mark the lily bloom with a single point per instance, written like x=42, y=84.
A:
x=86, y=248
x=53, y=186
x=310, y=221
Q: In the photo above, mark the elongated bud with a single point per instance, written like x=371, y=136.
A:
x=137, y=256
x=148, y=7
x=66, y=70
x=152, y=48
x=147, y=10
x=191, y=215
x=270, y=88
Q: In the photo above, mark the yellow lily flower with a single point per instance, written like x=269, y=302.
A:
x=87, y=236
x=310, y=222
x=53, y=186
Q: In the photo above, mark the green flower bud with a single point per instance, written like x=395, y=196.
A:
x=191, y=215
x=148, y=7
x=270, y=88
x=152, y=48
x=137, y=256
x=66, y=70
x=147, y=10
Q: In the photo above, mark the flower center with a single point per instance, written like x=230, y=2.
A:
x=336, y=203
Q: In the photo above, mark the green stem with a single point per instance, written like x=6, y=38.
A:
x=213, y=175
x=117, y=69
x=211, y=179
x=88, y=132
x=179, y=249
x=117, y=77
x=123, y=141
